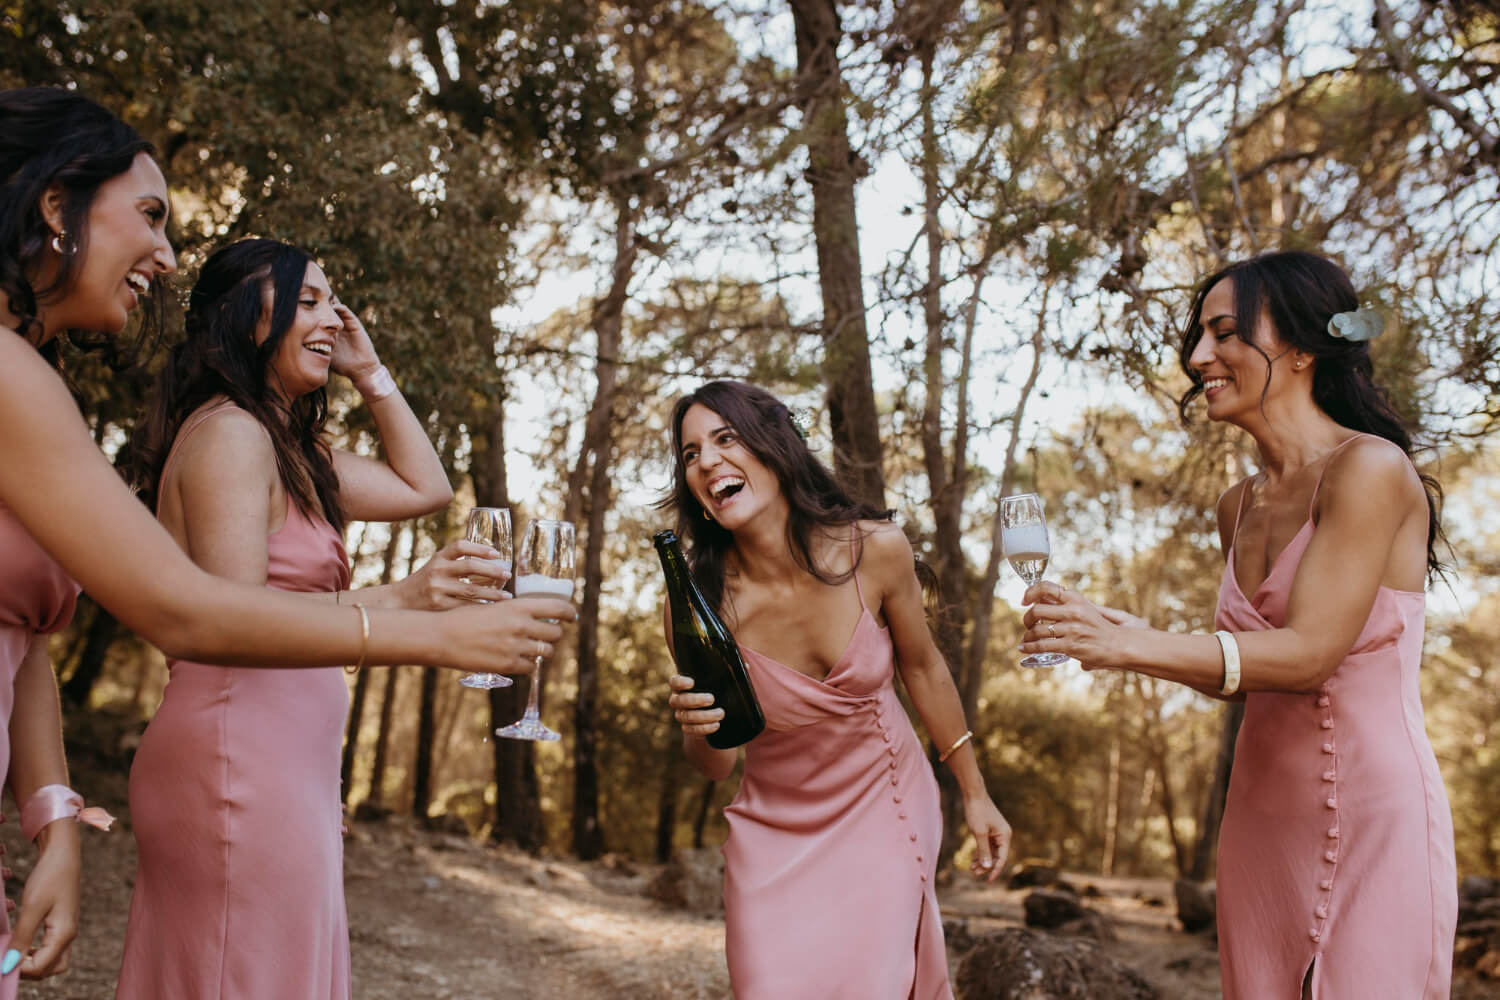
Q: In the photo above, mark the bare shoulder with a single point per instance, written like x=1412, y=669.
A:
x=229, y=444
x=1371, y=471
x=1229, y=501
x=884, y=548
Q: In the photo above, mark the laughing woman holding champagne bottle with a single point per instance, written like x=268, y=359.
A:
x=834, y=835
x=1336, y=860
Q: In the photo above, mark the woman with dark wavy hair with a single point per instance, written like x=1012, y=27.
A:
x=1336, y=873
x=83, y=214
x=835, y=832
x=234, y=792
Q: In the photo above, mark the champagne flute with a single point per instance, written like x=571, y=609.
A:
x=1023, y=532
x=544, y=568
x=489, y=526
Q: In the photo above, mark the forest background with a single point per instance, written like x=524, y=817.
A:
x=958, y=235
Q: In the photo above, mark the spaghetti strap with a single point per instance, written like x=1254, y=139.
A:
x=1234, y=532
x=1313, y=503
x=187, y=428
x=854, y=564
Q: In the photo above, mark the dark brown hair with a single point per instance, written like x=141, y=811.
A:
x=1300, y=292
x=220, y=357
x=815, y=496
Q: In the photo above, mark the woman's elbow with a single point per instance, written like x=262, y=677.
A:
x=435, y=498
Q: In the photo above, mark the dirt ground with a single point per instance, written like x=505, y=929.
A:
x=438, y=917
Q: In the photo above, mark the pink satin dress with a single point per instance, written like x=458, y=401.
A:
x=1336, y=851
x=833, y=838
x=234, y=799
x=36, y=598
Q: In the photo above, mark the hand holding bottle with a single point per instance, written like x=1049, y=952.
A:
x=695, y=713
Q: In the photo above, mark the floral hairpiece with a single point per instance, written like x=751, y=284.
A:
x=1358, y=325
x=797, y=423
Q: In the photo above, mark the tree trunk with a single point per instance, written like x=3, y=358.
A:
x=421, y=793
x=608, y=321
x=518, y=805
x=666, y=799
x=1111, y=809
x=101, y=634
x=832, y=172
x=705, y=802
x=362, y=683
x=383, y=738
x=1213, y=810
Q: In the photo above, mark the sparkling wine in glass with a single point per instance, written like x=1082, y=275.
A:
x=1023, y=532
x=489, y=526
x=544, y=568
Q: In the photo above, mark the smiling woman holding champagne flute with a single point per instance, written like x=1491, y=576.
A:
x=834, y=835
x=234, y=792
x=1336, y=874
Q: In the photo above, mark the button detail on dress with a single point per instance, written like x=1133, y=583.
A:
x=1329, y=775
x=1314, y=934
x=1328, y=748
x=1330, y=856
x=1333, y=833
x=913, y=837
x=1326, y=723
x=1332, y=802
x=1321, y=911
x=1324, y=701
x=1326, y=884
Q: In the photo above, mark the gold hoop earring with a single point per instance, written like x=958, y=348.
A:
x=706, y=515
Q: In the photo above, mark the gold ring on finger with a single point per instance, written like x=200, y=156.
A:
x=1052, y=630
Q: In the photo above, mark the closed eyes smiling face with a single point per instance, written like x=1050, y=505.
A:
x=305, y=353
x=1233, y=372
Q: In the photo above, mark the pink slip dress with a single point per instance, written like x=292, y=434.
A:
x=236, y=809
x=833, y=838
x=1336, y=851
x=36, y=598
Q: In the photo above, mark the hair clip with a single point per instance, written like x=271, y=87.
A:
x=797, y=424
x=1358, y=326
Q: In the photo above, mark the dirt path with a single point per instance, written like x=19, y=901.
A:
x=437, y=917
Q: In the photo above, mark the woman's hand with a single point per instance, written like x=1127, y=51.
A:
x=49, y=903
x=992, y=837
x=503, y=638
x=353, y=352
x=460, y=572
x=694, y=712
x=1061, y=621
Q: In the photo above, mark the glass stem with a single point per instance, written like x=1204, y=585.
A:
x=533, y=696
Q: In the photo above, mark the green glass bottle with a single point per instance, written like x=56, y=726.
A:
x=705, y=651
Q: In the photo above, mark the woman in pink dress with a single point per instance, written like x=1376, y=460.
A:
x=1336, y=876
x=83, y=215
x=234, y=792
x=834, y=835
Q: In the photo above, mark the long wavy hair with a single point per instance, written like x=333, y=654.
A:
x=220, y=357
x=1300, y=292
x=52, y=137
x=815, y=496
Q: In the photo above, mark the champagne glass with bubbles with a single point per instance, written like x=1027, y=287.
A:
x=544, y=568
x=489, y=526
x=1023, y=532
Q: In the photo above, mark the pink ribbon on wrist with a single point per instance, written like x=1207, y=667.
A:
x=54, y=802
x=377, y=385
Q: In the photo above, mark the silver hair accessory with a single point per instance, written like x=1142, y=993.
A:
x=798, y=425
x=1358, y=326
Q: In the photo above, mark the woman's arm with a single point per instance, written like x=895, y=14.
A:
x=73, y=503
x=697, y=717
x=49, y=902
x=411, y=481
x=887, y=562
x=1371, y=530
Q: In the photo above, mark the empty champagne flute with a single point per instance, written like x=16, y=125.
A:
x=1023, y=533
x=489, y=526
x=544, y=568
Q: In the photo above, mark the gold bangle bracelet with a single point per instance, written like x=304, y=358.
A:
x=966, y=737
x=364, y=638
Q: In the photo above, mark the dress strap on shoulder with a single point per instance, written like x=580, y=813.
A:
x=1313, y=503
x=1239, y=509
x=854, y=561
x=188, y=426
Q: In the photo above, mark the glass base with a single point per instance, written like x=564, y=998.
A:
x=1044, y=659
x=528, y=729
x=485, y=681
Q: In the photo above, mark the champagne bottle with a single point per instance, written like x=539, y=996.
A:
x=705, y=651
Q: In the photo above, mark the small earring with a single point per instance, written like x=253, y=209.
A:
x=57, y=244
x=706, y=515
